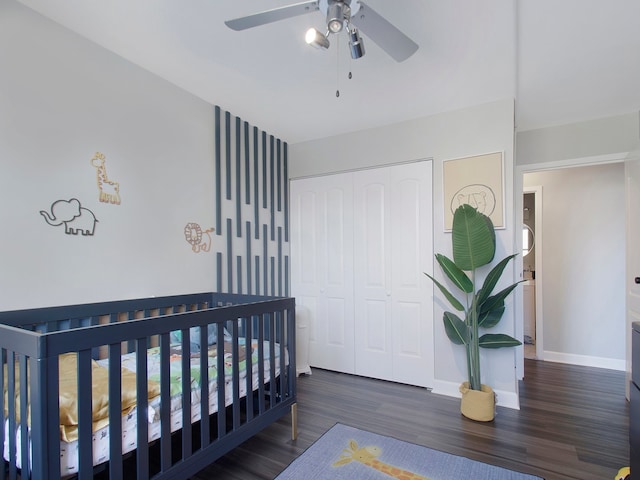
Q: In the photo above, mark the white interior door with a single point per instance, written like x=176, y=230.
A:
x=632, y=175
x=322, y=266
x=412, y=256
x=393, y=249
x=372, y=274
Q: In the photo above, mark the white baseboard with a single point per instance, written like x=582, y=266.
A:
x=584, y=360
x=451, y=389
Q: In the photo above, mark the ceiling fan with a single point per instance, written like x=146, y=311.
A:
x=348, y=15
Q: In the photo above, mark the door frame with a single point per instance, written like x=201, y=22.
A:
x=632, y=295
x=537, y=191
x=518, y=191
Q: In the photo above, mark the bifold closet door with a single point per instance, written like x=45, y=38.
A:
x=392, y=250
x=360, y=242
x=322, y=266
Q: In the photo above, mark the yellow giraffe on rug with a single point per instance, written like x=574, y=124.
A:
x=369, y=456
x=109, y=191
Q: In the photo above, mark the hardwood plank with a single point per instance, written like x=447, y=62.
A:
x=573, y=424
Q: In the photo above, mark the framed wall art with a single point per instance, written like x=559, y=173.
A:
x=477, y=181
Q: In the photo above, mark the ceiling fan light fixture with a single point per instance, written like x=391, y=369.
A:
x=335, y=17
x=316, y=39
x=355, y=44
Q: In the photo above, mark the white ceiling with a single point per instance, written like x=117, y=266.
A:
x=563, y=60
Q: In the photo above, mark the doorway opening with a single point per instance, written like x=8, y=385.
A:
x=531, y=271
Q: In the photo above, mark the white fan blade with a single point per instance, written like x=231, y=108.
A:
x=383, y=33
x=273, y=15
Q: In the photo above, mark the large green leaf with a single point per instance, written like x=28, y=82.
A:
x=455, y=303
x=498, y=299
x=492, y=279
x=457, y=330
x=473, y=238
x=455, y=273
x=497, y=340
x=491, y=318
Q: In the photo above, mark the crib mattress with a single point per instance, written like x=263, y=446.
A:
x=69, y=450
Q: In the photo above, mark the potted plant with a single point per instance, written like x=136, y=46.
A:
x=474, y=246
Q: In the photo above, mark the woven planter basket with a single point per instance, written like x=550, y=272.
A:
x=479, y=405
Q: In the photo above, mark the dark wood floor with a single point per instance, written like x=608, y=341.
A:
x=573, y=424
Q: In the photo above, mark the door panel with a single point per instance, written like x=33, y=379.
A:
x=322, y=264
x=411, y=244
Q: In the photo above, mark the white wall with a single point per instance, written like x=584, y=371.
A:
x=597, y=139
x=583, y=264
x=62, y=99
x=471, y=131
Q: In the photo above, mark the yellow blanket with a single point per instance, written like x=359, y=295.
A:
x=68, y=383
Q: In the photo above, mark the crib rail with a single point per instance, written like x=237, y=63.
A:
x=31, y=342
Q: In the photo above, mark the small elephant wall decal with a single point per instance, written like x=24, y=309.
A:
x=74, y=216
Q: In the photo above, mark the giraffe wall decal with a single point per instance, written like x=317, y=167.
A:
x=109, y=191
x=369, y=456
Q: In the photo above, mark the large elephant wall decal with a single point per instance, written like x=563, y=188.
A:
x=74, y=216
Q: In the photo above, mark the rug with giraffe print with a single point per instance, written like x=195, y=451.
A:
x=347, y=453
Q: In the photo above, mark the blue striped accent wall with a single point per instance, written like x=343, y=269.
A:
x=251, y=240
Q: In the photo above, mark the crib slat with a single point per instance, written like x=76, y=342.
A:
x=261, y=389
x=11, y=391
x=272, y=361
x=186, y=391
x=235, y=369
x=204, y=390
x=24, y=415
x=165, y=403
x=222, y=422
x=248, y=350
x=281, y=355
x=115, y=411
x=50, y=367
x=85, y=444
x=142, y=465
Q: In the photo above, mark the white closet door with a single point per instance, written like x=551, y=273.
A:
x=412, y=255
x=322, y=266
x=393, y=247
x=372, y=275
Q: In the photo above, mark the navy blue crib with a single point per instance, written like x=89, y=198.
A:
x=225, y=393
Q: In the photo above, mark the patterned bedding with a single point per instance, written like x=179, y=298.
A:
x=69, y=444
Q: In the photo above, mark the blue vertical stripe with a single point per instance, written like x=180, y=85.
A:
x=257, y=275
x=286, y=192
x=227, y=136
x=280, y=261
x=239, y=270
x=247, y=169
x=256, y=183
x=265, y=258
x=218, y=173
x=229, y=256
x=279, y=174
x=272, y=192
x=273, y=276
x=248, y=253
x=264, y=169
x=286, y=275
x=219, y=272
x=238, y=180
